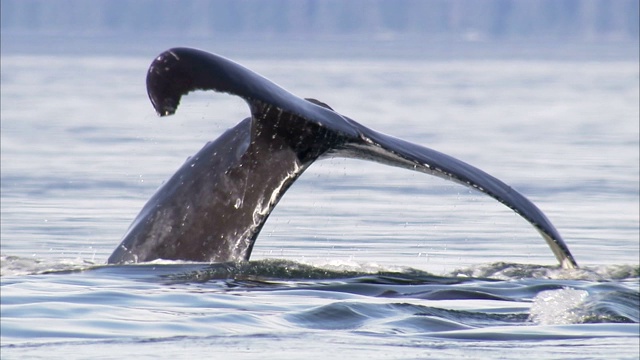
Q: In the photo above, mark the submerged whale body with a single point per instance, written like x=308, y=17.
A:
x=213, y=208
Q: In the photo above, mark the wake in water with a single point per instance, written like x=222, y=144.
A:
x=527, y=294
x=558, y=296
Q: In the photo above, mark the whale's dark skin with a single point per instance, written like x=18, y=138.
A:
x=213, y=207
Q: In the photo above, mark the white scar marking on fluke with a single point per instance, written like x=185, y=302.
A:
x=243, y=241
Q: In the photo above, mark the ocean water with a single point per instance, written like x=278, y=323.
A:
x=358, y=260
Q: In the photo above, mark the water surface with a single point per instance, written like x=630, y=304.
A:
x=358, y=259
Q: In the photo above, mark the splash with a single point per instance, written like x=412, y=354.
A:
x=558, y=307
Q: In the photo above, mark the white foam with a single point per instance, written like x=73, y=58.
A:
x=18, y=266
x=557, y=307
x=349, y=264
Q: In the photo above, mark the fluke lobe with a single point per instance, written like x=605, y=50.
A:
x=213, y=207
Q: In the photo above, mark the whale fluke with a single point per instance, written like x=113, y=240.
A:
x=213, y=207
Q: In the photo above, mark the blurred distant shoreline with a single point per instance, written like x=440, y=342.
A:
x=24, y=43
x=592, y=30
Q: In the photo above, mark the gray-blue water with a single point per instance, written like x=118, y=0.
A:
x=359, y=260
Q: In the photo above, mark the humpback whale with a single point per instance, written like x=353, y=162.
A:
x=213, y=208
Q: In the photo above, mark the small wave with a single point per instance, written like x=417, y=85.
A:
x=611, y=305
x=395, y=317
x=276, y=271
x=510, y=271
x=18, y=266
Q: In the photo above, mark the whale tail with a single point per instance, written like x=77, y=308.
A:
x=226, y=194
